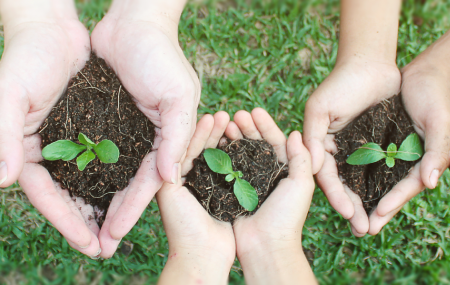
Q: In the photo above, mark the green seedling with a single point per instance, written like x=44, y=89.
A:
x=219, y=162
x=67, y=150
x=411, y=149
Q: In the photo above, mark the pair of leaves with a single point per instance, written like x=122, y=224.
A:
x=219, y=162
x=67, y=150
x=411, y=149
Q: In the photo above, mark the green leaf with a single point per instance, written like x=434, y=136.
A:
x=229, y=178
x=218, y=161
x=246, y=194
x=238, y=174
x=84, y=159
x=107, y=151
x=366, y=154
x=85, y=140
x=391, y=150
x=390, y=161
x=411, y=148
x=62, y=149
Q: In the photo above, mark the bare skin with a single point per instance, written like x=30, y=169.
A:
x=426, y=95
x=44, y=39
x=202, y=249
x=364, y=75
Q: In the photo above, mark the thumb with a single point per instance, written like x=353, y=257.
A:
x=12, y=121
x=437, y=150
x=315, y=129
x=177, y=128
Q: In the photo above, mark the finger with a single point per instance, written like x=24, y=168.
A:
x=233, y=132
x=198, y=142
x=315, y=128
x=437, y=150
x=177, y=128
x=359, y=220
x=42, y=193
x=12, y=122
x=32, y=148
x=390, y=204
x=270, y=132
x=107, y=242
x=142, y=189
x=244, y=121
x=328, y=180
x=221, y=120
x=87, y=214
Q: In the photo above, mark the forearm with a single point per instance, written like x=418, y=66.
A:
x=288, y=266
x=369, y=29
x=191, y=268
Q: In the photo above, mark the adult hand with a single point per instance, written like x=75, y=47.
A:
x=201, y=248
x=45, y=45
x=139, y=40
x=269, y=243
x=425, y=93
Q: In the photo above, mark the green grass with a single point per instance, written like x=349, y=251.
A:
x=247, y=55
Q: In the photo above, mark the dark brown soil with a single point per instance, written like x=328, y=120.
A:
x=258, y=162
x=97, y=105
x=383, y=124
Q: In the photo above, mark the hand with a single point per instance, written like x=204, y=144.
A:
x=425, y=93
x=138, y=39
x=350, y=89
x=201, y=248
x=45, y=45
x=269, y=243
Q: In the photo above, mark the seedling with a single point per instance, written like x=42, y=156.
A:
x=67, y=150
x=411, y=149
x=219, y=162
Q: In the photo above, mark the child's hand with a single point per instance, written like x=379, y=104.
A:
x=269, y=243
x=348, y=91
x=45, y=45
x=426, y=95
x=201, y=248
x=139, y=40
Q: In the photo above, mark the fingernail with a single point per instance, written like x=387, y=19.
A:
x=83, y=247
x=434, y=177
x=3, y=172
x=97, y=255
x=175, y=173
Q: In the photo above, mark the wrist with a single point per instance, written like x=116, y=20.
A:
x=164, y=12
x=15, y=12
x=191, y=267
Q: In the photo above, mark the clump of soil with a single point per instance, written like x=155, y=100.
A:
x=383, y=124
x=97, y=105
x=258, y=162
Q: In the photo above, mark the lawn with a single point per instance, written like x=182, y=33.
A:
x=250, y=54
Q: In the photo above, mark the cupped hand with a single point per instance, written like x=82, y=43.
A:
x=145, y=54
x=351, y=88
x=43, y=49
x=269, y=243
x=425, y=94
x=197, y=242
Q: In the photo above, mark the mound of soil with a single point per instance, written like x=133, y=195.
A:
x=383, y=124
x=258, y=162
x=97, y=105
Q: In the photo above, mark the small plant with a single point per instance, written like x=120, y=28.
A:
x=411, y=149
x=219, y=162
x=67, y=150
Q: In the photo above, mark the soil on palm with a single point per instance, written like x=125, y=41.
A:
x=97, y=105
x=383, y=124
x=260, y=166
